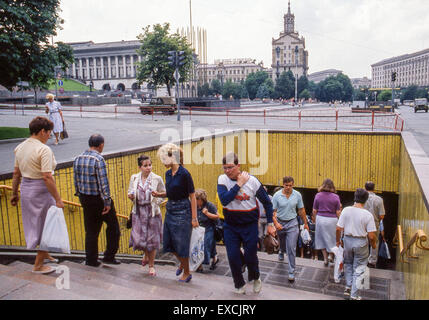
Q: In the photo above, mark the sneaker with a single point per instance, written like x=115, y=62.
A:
x=281, y=256
x=241, y=290
x=291, y=278
x=257, y=285
x=371, y=265
x=347, y=291
x=356, y=298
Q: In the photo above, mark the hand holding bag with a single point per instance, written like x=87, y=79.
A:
x=55, y=237
x=64, y=134
x=196, y=249
x=271, y=244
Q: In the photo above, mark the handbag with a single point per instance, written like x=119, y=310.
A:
x=271, y=244
x=218, y=232
x=130, y=221
x=64, y=134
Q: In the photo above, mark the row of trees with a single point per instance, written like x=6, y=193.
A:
x=26, y=28
x=409, y=93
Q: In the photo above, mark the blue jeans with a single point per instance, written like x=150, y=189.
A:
x=355, y=260
x=288, y=238
x=178, y=228
x=209, y=244
x=233, y=237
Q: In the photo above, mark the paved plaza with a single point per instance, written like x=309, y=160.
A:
x=128, y=131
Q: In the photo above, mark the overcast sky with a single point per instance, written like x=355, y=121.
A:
x=348, y=35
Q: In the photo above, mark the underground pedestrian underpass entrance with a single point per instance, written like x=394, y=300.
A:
x=394, y=161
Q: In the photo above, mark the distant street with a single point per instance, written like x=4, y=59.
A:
x=128, y=131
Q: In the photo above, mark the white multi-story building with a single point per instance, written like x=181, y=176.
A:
x=109, y=66
x=289, y=50
x=411, y=69
x=361, y=82
x=235, y=70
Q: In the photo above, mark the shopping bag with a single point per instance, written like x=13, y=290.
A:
x=305, y=236
x=339, y=263
x=218, y=234
x=55, y=237
x=363, y=278
x=384, y=252
x=64, y=134
x=196, y=249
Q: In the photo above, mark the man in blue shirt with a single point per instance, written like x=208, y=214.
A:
x=238, y=192
x=285, y=205
x=92, y=188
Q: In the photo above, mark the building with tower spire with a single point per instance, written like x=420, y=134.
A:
x=289, y=50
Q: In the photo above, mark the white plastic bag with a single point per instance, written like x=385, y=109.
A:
x=305, y=236
x=339, y=262
x=196, y=249
x=362, y=281
x=55, y=237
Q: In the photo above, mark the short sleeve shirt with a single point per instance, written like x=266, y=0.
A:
x=179, y=186
x=327, y=204
x=33, y=158
x=203, y=220
x=287, y=208
x=356, y=222
x=375, y=205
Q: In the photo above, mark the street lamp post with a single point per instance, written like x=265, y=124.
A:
x=296, y=74
x=278, y=62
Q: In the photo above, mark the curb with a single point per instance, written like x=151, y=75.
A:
x=12, y=140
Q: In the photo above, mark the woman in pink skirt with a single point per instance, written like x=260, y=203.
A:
x=146, y=232
x=34, y=163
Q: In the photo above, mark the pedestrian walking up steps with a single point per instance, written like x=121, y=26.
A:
x=132, y=281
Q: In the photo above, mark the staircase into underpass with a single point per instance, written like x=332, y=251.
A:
x=131, y=281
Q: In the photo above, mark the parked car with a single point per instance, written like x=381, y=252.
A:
x=421, y=104
x=166, y=105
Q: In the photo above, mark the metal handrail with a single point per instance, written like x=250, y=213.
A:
x=70, y=203
x=418, y=238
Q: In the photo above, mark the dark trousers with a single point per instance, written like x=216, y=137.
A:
x=93, y=219
x=247, y=235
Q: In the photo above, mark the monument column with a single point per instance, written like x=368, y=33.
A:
x=124, y=63
x=117, y=66
x=80, y=69
x=87, y=69
x=102, y=67
x=132, y=74
x=109, y=66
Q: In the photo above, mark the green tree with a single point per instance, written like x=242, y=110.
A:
x=285, y=85
x=204, y=90
x=232, y=89
x=359, y=95
x=303, y=84
x=347, y=87
x=385, y=95
x=155, y=44
x=263, y=92
x=254, y=81
x=216, y=87
x=410, y=93
x=305, y=94
x=25, y=31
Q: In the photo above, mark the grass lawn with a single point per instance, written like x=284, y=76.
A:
x=12, y=133
x=70, y=85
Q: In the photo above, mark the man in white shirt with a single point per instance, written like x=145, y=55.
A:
x=375, y=205
x=358, y=225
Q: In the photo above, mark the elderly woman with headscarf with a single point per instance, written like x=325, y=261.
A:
x=34, y=164
x=53, y=108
